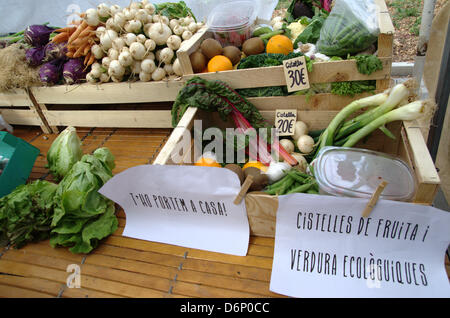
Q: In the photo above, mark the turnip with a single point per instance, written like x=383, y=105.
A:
x=288, y=145
x=148, y=65
x=97, y=51
x=90, y=78
x=173, y=23
x=92, y=17
x=113, y=54
x=145, y=77
x=133, y=26
x=106, y=61
x=161, y=19
x=166, y=55
x=99, y=31
x=125, y=59
x=192, y=27
x=305, y=144
x=104, y=77
x=158, y=74
x=177, y=67
x=186, y=21
x=149, y=44
x=160, y=32
x=277, y=170
x=116, y=69
x=168, y=68
x=142, y=15
x=118, y=44
x=174, y=42
x=110, y=25
x=116, y=79
x=138, y=51
x=146, y=29
x=95, y=72
x=178, y=30
x=136, y=5
x=136, y=67
x=107, y=38
x=130, y=38
x=150, y=8
x=119, y=20
x=129, y=13
x=302, y=163
x=114, y=9
x=300, y=129
x=141, y=38
x=186, y=35
x=103, y=10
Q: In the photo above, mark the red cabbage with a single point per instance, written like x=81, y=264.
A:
x=37, y=35
x=35, y=56
x=74, y=71
x=50, y=72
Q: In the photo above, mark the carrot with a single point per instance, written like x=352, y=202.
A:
x=87, y=49
x=80, y=50
x=91, y=60
x=88, y=31
x=61, y=37
x=69, y=54
x=87, y=58
x=80, y=41
x=66, y=29
x=79, y=29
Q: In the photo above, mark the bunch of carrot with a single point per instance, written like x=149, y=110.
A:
x=80, y=39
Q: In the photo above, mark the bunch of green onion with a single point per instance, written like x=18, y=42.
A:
x=391, y=105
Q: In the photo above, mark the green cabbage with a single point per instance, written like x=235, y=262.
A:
x=26, y=213
x=64, y=152
x=82, y=215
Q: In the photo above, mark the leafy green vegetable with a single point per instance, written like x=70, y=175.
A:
x=311, y=33
x=64, y=152
x=264, y=91
x=367, y=63
x=214, y=96
x=82, y=215
x=270, y=59
x=174, y=10
x=352, y=88
x=26, y=213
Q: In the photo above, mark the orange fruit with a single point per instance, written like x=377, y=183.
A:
x=279, y=44
x=219, y=63
x=255, y=164
x=207, y=162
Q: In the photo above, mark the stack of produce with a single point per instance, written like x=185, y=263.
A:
x=287, y=168
x=71, y=213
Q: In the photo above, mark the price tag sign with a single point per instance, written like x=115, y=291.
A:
x=285, y=121
x=296, y=74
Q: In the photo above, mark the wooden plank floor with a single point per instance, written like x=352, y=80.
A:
x=126, y=267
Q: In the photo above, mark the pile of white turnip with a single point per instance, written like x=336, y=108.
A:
x=136, y=43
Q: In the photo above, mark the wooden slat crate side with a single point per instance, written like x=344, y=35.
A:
x=21, y=117
x=14, y=98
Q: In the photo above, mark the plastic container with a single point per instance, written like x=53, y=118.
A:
x=231, y=22
x=354, y=172
x=21, y=157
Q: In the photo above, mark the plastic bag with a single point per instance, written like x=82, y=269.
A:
x=351, y=27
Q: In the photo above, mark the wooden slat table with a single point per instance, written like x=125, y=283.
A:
x=126, y=267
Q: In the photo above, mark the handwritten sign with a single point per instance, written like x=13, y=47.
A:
x=324, y=248
x=182, y=205
x=285, y=121
x=296, y=74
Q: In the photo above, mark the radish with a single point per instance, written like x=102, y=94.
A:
x=90, y=78
x=114, y=9
x=97, y=51
x=142, y=15
x=119, y=20
x=178, y=30
x=92, y=17
x=136, y=67
x=107, y=38
x=116, y=69
x=158, y=74
x=150, y=8
x=125, y=59
x=173, y=23
x=168, y=68
x=113, y=54
x=192, y=27
x=137, y=50
x=186, y=35
x=106, y=61
x=145, y=77
x=150, y=45
x=159, y=32
x=103, y=10
x=174, y=42
x=130, y=38
x=118, y=44
x=133, y=26
x=148, y=65
x=177, y=67
x=141, y=38
x=166, y=55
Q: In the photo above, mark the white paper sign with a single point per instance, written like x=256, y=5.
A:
x=324, y=248
x=182, y=205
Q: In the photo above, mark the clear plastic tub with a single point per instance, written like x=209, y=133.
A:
x=231, y=22
x=357, y=172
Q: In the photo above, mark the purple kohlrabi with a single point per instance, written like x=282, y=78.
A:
x=55, y=51
x=37, y=35
x=74, y=71
x=35, y=56
x=50, y=72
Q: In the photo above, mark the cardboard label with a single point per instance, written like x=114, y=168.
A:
x=182, y=205
x=324, y=247
x=285, y=121
x=296, y=74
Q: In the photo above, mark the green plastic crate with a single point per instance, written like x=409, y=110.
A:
x=21, y=157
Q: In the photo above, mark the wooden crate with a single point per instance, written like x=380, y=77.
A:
x=18, y=108
x=323, y=72
x=409, y=145
x=126, y=105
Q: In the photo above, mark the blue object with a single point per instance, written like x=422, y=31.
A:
x=21, y=157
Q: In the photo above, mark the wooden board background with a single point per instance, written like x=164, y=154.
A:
x=126, y=267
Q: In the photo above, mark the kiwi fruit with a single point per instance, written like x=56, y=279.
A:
x=211, y=48
x=260, y=180
x=236, y=169
x=198, y=62
x=253, y=46
x=233, y=53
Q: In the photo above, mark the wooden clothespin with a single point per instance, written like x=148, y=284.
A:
x=373, y=200
x=244, y=188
